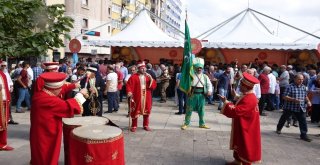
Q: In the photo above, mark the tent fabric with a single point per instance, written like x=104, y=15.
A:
x=246, y=31
x=140, y=32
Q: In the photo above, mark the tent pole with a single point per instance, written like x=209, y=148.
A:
x=221, y=24
x=286, y=24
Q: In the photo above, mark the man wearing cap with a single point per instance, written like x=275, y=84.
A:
x=67, y=87
x=10, y=83
x=51, y=66
x=201, y=88
x=95, y=85
x=46, y=115
x=139, y=87
x=5, y=88
x=245, y=130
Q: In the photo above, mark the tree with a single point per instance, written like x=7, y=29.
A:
x=30, y=28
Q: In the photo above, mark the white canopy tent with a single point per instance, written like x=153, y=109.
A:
x=246, y=31
x=140, y=32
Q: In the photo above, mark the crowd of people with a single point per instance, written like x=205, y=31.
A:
x=294, y=89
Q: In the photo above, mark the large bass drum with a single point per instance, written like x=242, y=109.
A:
x=93, y=145
x=70, y=123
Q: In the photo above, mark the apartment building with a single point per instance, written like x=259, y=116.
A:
x=104, y=18
x=123, y=11
x=172, y=13
x=92, y=20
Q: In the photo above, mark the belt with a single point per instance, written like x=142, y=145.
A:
x=198, y=92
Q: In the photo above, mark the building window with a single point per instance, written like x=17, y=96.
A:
x=84, y=23
x=109, y=11
x=84, y=2
x=116, y=8
x=116, y=24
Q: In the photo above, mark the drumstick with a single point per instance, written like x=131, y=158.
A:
x=86, y=84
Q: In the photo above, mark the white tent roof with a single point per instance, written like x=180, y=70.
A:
x=246, y=31
x=140, y=32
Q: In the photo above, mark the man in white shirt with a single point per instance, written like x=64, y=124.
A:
x=30, y=75
x=256, y=87
x=111, y=89
x=272, y=89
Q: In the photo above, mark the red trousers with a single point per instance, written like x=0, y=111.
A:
x=3, y=138
x=145, y=121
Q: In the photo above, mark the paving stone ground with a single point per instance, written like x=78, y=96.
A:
x=167, y=144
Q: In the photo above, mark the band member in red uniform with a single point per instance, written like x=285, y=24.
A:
x=46, y=115
x=245, y=134
x=4, y=111
x=139, y=87
x=67, y=87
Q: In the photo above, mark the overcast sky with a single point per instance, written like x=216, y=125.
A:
x=304, y=14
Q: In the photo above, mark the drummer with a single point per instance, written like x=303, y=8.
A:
x=47, y=111
x=66, y=88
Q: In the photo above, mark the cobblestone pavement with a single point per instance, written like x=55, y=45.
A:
x=167, y=144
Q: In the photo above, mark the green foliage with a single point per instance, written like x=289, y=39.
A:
x=30, y=28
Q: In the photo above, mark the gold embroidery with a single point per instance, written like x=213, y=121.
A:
x=48, y=92
x=80, y=105
x=88, y=158
x=94, y=141
x=143, y=94
x=115, y=155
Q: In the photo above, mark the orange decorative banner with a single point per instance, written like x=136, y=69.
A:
x=75, y=46
x=196, y=46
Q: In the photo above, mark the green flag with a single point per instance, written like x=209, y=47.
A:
x=187, y=68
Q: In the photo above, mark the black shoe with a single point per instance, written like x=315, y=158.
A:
x=162, y=101
x=12, y=122
x=278, y=132
x=184, y=112
x=115, y=110
x=295, y=125
x=288, y=125
x=263, y=114
x=107, y=112
x=306, y=138
x=219, y=109
x=178, y=113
